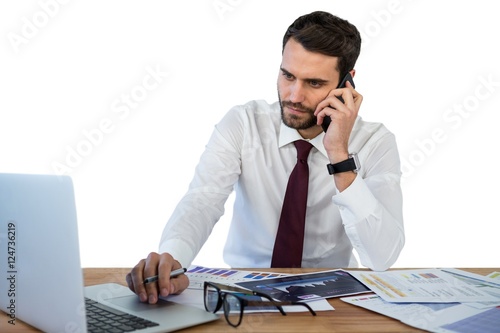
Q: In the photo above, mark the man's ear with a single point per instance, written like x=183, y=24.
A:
x=353, y=72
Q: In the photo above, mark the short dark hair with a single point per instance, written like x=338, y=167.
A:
x=327, y=34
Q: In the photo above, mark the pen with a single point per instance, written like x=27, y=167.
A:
x=172, y=274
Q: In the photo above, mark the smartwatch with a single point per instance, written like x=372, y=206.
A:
x=351, y=164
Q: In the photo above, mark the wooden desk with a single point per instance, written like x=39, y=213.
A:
x=345, y=318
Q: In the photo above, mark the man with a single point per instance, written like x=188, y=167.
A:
x=252, y=151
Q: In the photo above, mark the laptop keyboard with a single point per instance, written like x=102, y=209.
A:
x=102, y=318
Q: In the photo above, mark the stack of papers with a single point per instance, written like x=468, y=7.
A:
x=436, y=300
x=193, y=295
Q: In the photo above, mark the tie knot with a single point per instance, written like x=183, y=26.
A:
x=303, y=149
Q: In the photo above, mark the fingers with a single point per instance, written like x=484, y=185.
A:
x=156, y=264
x=178, y=284
x=170, y=285
x=332, y=100
x=357, y=98
x=135, y=278
x=334, y=107
x=150, y=270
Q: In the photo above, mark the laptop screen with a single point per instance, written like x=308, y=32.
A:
x=39, y=253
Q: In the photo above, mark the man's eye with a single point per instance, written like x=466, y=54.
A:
x=315, y=83
x=288, y=76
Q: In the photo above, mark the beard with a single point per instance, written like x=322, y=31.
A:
x=308, y=119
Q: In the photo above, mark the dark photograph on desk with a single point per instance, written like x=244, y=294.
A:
x=305, y=287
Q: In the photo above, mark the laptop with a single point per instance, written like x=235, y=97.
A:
x=41, y=279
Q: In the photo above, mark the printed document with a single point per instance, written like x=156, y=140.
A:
x=422, y=285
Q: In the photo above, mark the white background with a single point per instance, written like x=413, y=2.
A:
x=429, y=70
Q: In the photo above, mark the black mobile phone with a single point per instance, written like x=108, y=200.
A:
x=347, y=77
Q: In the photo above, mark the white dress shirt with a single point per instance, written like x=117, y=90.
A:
x=251, y=152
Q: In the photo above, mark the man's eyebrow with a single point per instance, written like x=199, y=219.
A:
x=285, y=71
x=308, y=80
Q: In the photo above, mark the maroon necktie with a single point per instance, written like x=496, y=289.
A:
x=290, y=237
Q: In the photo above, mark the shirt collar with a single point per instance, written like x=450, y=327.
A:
x=289, y=135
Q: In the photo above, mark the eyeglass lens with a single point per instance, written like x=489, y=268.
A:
x=211, y=298
x=233, y=309
x=232, y=305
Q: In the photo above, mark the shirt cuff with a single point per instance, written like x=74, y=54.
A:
x=356, y=202
x=179, y=250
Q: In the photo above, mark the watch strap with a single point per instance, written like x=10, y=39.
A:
x=344, y=166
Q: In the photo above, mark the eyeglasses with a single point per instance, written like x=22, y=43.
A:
x=235, y=301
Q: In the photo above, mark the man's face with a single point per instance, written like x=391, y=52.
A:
x=305, y=79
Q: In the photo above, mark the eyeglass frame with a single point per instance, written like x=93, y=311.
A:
x=223, y=290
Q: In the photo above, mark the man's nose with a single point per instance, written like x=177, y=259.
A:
x=297, y=93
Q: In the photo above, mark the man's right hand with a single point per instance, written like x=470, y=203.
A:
x=161, y=265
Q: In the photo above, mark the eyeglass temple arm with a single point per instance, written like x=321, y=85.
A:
x=256, y=293
x=307, y=306
x=232, y=288
x=259, y=303
x=279, y=305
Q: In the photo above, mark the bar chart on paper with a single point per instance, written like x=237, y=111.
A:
x=199, y=274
